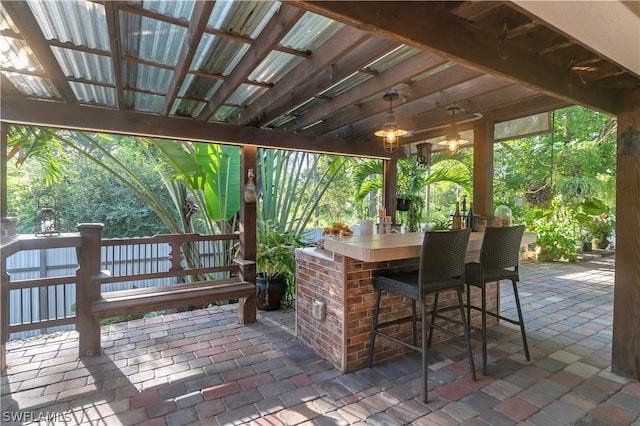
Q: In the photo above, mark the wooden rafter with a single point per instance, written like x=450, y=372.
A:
x=426, y=27
x=343, y=42
x=113, y=26
x=23, y=18
x=279, y=25
x=199, y=18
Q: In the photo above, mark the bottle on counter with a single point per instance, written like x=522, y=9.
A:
x=457, y=217
x=470, y=219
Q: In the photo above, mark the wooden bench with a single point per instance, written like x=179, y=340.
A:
x=148, y=299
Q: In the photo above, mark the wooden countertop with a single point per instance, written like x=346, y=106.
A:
x=379, y=248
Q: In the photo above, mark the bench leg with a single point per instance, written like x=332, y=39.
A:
x=247, y=309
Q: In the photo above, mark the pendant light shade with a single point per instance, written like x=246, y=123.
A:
x=391, y=132
x=453, y=139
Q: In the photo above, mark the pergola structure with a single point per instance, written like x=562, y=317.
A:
x=311, y=75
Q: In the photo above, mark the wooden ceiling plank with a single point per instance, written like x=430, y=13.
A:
x=30, y=112
x=27, y=24
x=279, y=25
x=343, y=42
x=426, y=27
x=360, y=57
x=409, y=69
x=113, y=26
x=199, y=18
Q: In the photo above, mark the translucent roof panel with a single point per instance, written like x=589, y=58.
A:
x=225, y=113
x=176, y=9
x=93, y=94
x=392, y=58
x=188, y=108
x=34, y=86
x=434, y=71
x=311, y=32
x=199, y=87
x=5, y=21
x=151, y=39
x=218, y=55
x=148, y=102
x=347, y=83
x=147, y=77
x=308, y=106
x=275, y=66
x=247, y=18
x=17, y=55
x=79, y=22
x=245, y=94
x=83, y=65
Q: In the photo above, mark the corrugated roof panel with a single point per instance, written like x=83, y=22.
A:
x=218, y=55
x=307, y=106
x=187, y=108
x=275, y=66
x=149, y=103
x=30, y=85
x=177, y=9
x=346, y=83
x=84, y=65
x=392, y=58
x=152, y=78
x=225, y=113
x=311, y=32
x=80, y=22
x=94, y=94
x=280, y=121
x=247, y=18
x=16, y=54
x=199, y=87
x=245, y=94
x=151, y=39
x=434, y=71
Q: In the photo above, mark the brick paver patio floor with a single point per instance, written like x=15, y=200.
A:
x=201, y=367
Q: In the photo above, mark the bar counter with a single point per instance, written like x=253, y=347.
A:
x=335, y=296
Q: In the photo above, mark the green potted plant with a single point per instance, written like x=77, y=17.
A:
x=594, y=217
x=276, y=264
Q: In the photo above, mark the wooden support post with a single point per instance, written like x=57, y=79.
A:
x=88, y=288
x=247, y=306
x=625, y=356
x=483, y=169
x=389, y=185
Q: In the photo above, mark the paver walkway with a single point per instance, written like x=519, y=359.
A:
x=200, y=367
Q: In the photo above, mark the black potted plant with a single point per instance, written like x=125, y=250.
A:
x=276, y=264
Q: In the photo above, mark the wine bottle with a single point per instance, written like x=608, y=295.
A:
x=470, y=221
x=457, y=218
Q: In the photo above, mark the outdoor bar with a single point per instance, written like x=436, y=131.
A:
x=336, y=298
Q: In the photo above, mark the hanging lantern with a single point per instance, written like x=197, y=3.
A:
x=47, y=221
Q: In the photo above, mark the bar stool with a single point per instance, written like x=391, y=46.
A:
x=499, y=260
x=442, y=261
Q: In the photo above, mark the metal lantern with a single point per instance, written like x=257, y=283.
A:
x=47, y=221
x=424, y=153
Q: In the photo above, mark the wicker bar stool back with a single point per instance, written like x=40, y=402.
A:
x=442, y=263
x=499, y=260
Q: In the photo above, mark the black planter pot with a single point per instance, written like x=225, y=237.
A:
x=270, y=292
x=403, y=204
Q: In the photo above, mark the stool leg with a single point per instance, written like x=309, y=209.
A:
x=374, y=327
x=484, y=328
x=469, y=304
x=424, y=351
x=433, y=318
x=467, y=335
x=415, y=327
x=521, y=320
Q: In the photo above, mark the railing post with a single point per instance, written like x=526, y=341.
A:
x=88, y=288
x=4, y=315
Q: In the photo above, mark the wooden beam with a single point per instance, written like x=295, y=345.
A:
x=340, y=44
x=23, y=18
x=199, y=18
x=279, y=25
x=361, y=56
x=425, y=26
x=113, y=26
x=95, y=119
x=483, y=168
x=625, y=357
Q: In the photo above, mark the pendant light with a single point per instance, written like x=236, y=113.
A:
x=453, y=140
x=390, y=132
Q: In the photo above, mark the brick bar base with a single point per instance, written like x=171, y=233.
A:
x=345, y=286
